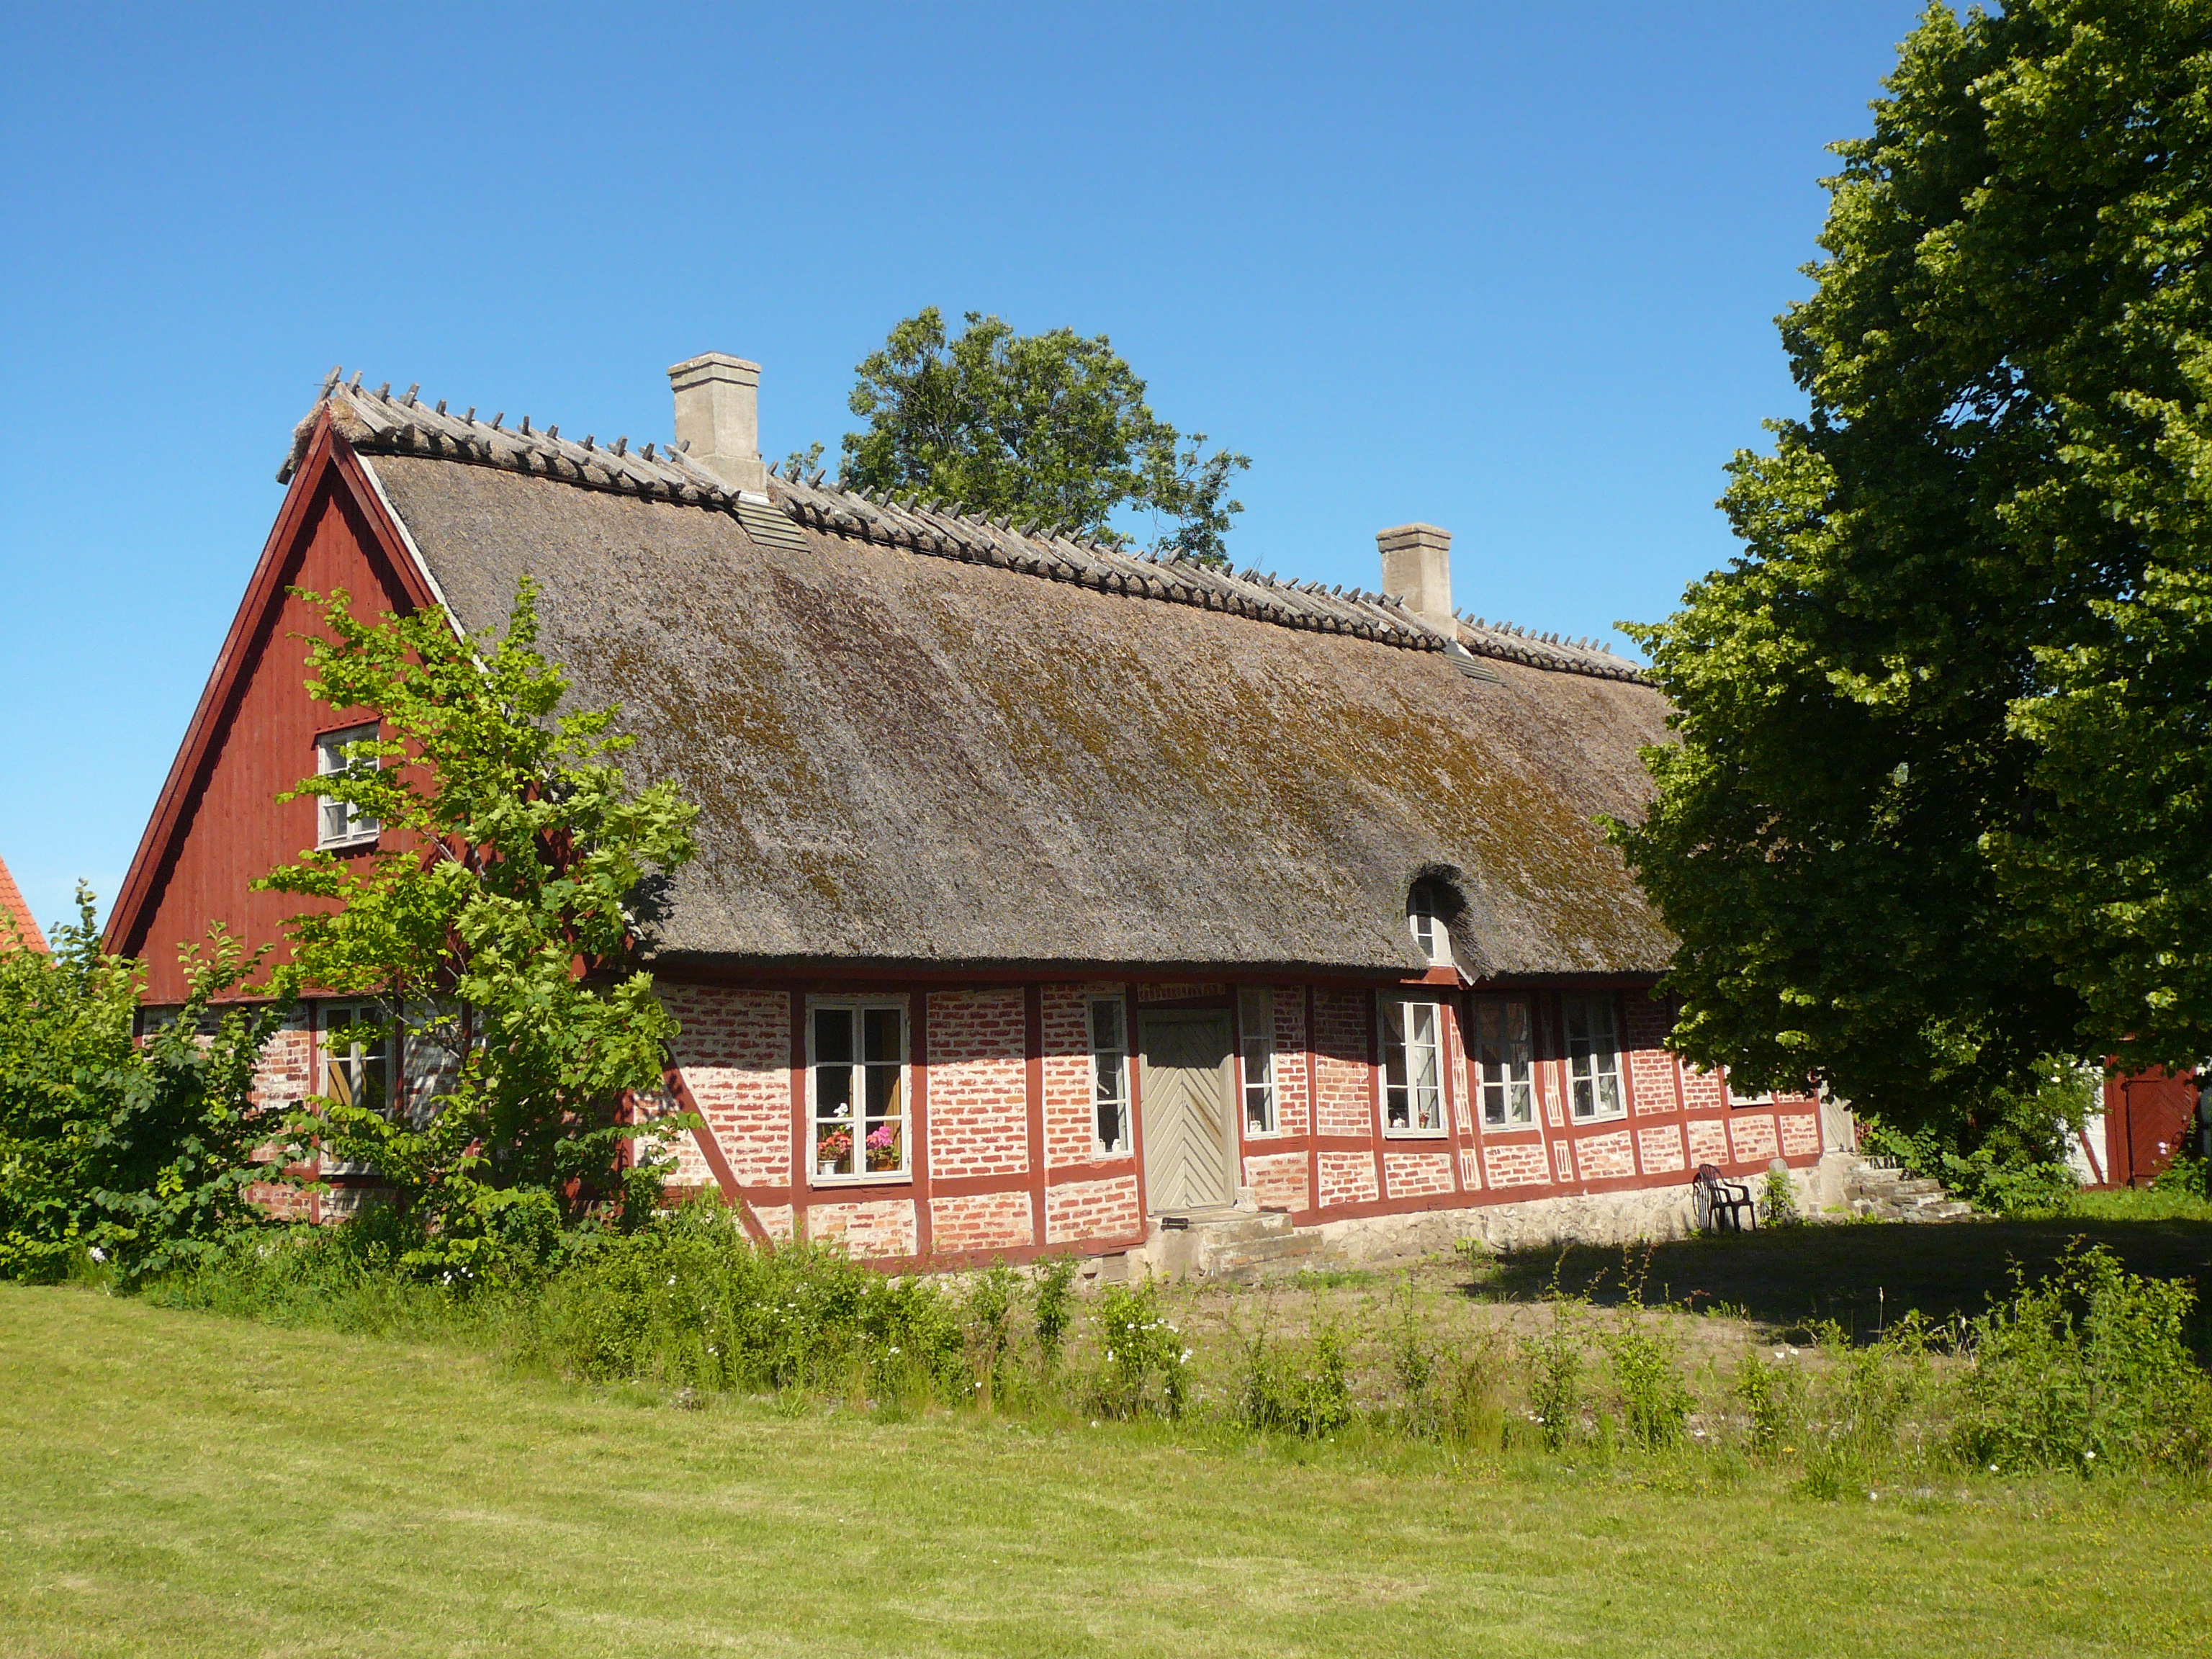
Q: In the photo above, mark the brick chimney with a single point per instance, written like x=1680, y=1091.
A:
x=1417, y=565
x=718, y=418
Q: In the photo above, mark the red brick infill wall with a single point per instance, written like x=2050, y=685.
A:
x=1006, y=1133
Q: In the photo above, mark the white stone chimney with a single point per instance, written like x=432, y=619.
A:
x=718, y=418
x=1417, y=565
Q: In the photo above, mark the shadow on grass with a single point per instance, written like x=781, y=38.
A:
x=1858, y=1275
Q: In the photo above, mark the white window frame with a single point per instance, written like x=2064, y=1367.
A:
x=1110, y=1075
x=1431, y=936
x=1593, y=1065
x=1513, y=1087
x=332, y=1016
x=1763, y=1097
x=859, y=1008
x=1255, y=1018
x=1407, y=1010
x=341, y=823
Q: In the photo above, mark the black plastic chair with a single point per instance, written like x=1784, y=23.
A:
x=1727, y=1205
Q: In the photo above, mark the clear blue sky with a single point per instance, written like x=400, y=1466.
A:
x=1511, y=270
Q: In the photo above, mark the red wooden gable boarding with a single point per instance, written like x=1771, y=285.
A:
x=216, y=826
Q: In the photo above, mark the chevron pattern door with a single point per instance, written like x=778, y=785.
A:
x=1189, y=1146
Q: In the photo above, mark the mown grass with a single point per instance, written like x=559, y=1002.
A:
x=183, y=1484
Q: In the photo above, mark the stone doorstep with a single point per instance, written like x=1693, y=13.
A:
x=1892, y=1195
x=1228, y=1243
x=1262, y=1257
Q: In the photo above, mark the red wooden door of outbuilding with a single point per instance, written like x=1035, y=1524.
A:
x=2147, y=1120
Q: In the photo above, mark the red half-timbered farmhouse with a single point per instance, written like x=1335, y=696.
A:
x=1048, y=897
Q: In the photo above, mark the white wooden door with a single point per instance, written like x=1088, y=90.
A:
x=1190, y=1137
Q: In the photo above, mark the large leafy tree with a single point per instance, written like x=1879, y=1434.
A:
x=1051, y=429
x=1942, y=799
x=496, y=925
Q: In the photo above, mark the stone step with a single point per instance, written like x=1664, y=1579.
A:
x=1246, y=1253
x=1282, y=1247
x=1235, y=1226
x=1263, y=1259
x=1876, y=1181
x=1954, y=1210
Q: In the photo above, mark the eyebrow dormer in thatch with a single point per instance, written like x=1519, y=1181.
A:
x=996, y=777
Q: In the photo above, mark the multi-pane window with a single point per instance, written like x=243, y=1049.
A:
x=1110, y=1075
x=356, y=1065
x=859, y=1093
x=1505, y=1058
x=1413, y=1090
x=1257, y=1009
x=1425, y=915
x=357, y=1054
x=340, y=823
x=1593, y=1058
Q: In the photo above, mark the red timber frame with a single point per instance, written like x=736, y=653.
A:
x=1461, y=1141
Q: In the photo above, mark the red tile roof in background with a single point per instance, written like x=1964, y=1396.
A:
x=11, y=904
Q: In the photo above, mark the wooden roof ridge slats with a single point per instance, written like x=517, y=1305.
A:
x=1507, y=643
x=377, y=420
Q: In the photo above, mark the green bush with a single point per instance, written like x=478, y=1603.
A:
x=1145, y=1365
x=2086, y=1369
x=1554, y=1360
x=2005, y=1152
x=2185, y=1175
x=989, y=1308
x=1773, y=1394
x=142, y=1157
x=1055, y=1305
x=1778, y=1200
x=1305, y=1393
x=689, y=1302
x=1646, y=1366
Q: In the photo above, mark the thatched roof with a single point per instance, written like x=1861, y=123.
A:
x=918, y=738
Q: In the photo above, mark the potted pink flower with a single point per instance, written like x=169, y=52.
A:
x=882, y=1147
x=832, y=1147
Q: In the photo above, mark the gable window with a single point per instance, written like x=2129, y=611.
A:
x=1593, y=1058
x=1505, y=1058
x=1110, y=1076
x=857, y=1092
x=1413, y=1090
x=1425, y=914
x=340, y=823
x=1257, y=1011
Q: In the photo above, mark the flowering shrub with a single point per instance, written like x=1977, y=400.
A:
x=1142, y=1352
x=2090, y=1364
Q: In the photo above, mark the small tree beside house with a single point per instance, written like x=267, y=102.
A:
x=487, y=927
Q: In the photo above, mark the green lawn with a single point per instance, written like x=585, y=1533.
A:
x=174, y=1483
